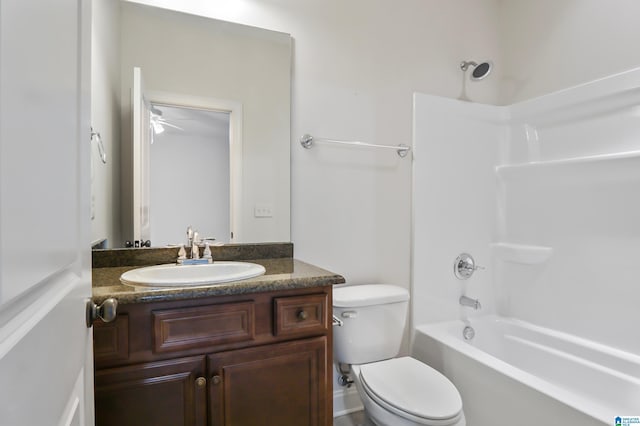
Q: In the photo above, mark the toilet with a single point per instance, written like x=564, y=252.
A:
x=394, y=391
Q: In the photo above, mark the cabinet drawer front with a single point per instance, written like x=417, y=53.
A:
x=203, y=326
x=301, y=315
x=111, y=339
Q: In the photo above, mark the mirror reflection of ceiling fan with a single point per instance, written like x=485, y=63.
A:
x=158, y=123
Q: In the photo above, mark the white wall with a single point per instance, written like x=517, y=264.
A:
x=355, y=67
x=190, y=184
x=548, y=45
x=105, y=118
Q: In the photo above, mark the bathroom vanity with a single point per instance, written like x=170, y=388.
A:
x=251, y=352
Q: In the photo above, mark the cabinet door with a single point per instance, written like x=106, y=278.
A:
x=170, y=393
x=282, y=384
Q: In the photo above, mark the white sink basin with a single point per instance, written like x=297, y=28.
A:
x=191, y=275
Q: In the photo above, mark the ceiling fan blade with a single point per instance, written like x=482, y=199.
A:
x=165, y=123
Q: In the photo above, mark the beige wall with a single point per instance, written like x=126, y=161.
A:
x=549, y=45
x=105, y=118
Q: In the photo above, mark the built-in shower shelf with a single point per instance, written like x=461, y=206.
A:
x=612, y=165
x=521, y=253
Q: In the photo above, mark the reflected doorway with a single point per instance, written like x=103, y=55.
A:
x=189, y=174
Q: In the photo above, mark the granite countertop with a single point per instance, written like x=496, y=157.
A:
x=281, y=274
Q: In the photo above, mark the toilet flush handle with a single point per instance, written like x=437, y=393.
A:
x=337, y=322
x=346, y=314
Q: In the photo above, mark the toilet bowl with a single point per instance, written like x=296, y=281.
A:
x=406, y=392
x=394, y=391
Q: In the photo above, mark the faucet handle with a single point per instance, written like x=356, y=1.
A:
x=182, y=254
x=464, y=266
x=206, y=254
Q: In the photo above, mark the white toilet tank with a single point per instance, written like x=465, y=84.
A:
x=374, y=317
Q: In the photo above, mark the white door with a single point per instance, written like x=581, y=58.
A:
x=45, y=265
x=141, y=159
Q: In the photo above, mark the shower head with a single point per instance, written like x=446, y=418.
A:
x=480, y=70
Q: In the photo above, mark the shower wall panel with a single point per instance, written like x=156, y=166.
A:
x=545, y=195
x=572, y=185
x=456, y=150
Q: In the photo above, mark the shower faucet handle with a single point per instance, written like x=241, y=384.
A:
x=464, y=266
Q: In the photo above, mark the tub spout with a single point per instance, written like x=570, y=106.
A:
x=472, y=303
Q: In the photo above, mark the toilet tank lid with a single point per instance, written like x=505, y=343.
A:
x=368, y=295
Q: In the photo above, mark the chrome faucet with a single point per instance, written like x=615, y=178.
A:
x=193, y=241
x=195, y=251
x=189, y=236
x=472, y=303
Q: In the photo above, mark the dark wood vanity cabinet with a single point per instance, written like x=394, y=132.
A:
x=243, y=360
x=171, y=392
x=281, y=384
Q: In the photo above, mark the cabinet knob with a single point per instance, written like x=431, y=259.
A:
x=216, y=380
x=302, y=315
x=201, y=382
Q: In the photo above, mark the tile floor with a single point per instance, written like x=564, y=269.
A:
x=352, y=419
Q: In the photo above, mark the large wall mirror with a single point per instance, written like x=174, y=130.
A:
x=203, y=111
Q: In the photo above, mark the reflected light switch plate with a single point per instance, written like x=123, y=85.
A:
x=263, y=210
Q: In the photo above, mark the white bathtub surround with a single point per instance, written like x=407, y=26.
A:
x=542, y=193
x=521, y=253
x=456, y=149
x=513, y=369
x=570, y=187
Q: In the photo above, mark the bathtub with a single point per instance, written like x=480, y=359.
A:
x=515, y=373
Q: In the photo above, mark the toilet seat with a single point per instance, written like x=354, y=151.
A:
x=412, y=390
